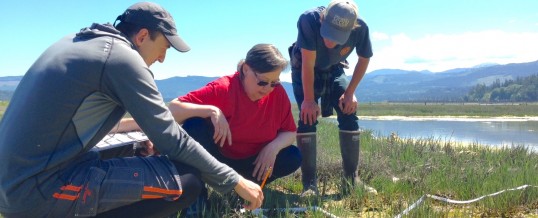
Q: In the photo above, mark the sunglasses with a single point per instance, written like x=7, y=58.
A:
x=264, y=83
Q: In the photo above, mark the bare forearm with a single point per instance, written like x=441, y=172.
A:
x=183, y=110
x=307, y=73
x=126, y=125
x=282, y=140
x=308, y=84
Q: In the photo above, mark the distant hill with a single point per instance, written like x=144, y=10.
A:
x=376, y=86
x=523, y=89
x=177, y=86
x=450, y=85
x=9, y=83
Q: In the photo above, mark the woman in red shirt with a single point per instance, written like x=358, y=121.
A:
x=244, y=120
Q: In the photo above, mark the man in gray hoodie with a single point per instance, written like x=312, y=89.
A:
x=71, y=97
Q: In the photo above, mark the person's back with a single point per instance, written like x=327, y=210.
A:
x=66, y=88
x=72, y=96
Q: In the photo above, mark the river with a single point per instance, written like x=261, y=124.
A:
x=501, y=131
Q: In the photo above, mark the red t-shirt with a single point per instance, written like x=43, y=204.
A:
x=253, y=124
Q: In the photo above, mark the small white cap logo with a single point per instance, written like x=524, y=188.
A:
x=340, y=21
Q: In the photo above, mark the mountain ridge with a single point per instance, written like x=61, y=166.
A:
x=449, y=85
x=376, y=86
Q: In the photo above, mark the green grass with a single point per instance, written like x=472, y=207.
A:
x=3, y=106
x=446, y=109
x=403, y=170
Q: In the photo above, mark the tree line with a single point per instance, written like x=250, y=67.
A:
x=523, y=89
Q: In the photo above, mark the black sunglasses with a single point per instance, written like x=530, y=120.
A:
x=264, y=83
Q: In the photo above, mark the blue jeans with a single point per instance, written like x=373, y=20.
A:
x=329, y=85
x=287, y=161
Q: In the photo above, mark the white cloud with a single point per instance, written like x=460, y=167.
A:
x=378, y=36
x=439, y=52
x=285, y=76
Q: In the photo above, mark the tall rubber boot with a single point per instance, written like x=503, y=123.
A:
x=350, y=150
x=307, y=145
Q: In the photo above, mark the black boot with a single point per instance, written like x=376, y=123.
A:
x=350, y=150
x=307, y=145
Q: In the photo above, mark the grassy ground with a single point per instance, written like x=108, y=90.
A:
x=403, y=170
x=3, y=106
x=445, y=109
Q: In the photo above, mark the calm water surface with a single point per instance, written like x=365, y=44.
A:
x=492, y=132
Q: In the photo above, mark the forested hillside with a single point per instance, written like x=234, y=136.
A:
x=520, y=89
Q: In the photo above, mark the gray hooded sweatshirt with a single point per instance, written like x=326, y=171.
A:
x=69, y=99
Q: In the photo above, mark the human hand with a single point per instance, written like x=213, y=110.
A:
x=348, y=103
x=222, y=129
x=148, y=149
x=251, y=192
x=264, y=162
x=309, y=112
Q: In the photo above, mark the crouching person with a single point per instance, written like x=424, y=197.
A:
x=71, y=97
x=244, y=120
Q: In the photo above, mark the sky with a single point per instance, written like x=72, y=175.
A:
x=410, y=35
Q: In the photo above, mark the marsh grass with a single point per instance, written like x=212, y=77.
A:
x=3, y=106
x=448, y=109
x=403, y=170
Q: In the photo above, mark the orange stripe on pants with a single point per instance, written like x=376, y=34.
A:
x=162, y=191
x=65, y=197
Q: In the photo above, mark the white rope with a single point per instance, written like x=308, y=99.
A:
x=447, y=200
x=260, y=211
x=406, y=211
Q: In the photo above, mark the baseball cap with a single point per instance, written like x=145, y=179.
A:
x=339, y=19
x=153, y=16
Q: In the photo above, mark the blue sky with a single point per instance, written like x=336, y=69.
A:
x=411, y=35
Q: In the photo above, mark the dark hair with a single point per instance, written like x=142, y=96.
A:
x=130, y=30
x=263, y=58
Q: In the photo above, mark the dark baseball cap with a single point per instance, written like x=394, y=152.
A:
x=340, y=18
x=153, y=16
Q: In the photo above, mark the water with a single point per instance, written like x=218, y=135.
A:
x=493, y=132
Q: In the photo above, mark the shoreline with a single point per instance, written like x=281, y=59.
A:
x=452, y=140
x=449, y=118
